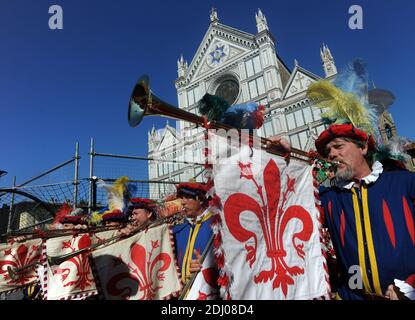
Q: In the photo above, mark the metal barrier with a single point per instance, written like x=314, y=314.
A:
x=24, y=206
x=144, y=187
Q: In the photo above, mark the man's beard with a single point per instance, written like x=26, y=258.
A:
x=346, y=174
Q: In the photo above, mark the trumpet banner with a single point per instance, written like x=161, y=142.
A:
x=141, y=267
x=269, y=232
x=73, y=278
x=18, y=255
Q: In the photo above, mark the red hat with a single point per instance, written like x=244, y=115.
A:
x=342, y=130
x=192, y=188
x=66, y=214
x=115, y=215
x=142, y=203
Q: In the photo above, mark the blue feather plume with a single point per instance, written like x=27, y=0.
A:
x=240, y=116
x=354, y=79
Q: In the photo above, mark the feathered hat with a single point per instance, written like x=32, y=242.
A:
x=66, y=214
x=240, y=116
x=118, y=196
x=342, y=130
x=114, y=216
x=352, y=110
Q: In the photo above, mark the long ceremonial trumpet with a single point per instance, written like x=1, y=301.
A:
x=56, y=233
x=57, y=260
x=14, y=273
x=144, y=103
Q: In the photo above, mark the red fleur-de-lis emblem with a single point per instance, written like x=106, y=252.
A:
x=24, y=255
x=246, y=170
x=273, y=214
x=83, y=275
x=210, y=276
x=145, y=268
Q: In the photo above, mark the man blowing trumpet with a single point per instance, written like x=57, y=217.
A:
x=370, y=216
x=140, y=212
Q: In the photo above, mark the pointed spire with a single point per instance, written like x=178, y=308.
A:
x=213, y=16
x=152, y=138
x=329, y=66
x=181, y=66
x=261, y=21
x=328, y=52
x=180, y=62
x=295, y=63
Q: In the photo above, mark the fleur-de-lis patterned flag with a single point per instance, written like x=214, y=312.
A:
x=141, y=267
x=205, y=285
x=18, y=255
x=73, y=278
x=268, y=242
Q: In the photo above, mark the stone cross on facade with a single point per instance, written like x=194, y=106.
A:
x=299, y=79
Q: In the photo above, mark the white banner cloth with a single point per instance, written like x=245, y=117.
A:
x=270, y=227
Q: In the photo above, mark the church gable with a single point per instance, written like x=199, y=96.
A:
x=169, y=139
x=220, y=44
x=299, y=81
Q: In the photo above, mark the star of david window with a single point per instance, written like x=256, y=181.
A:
x=228, y=90
x=218, y=54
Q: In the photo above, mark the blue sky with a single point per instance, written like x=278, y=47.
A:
x=62, y=86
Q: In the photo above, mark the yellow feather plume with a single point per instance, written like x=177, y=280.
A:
x=117, y=198
x=339, y=105
x=95, y=218
x=117, y=194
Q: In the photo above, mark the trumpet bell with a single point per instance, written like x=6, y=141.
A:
x=137, y=106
